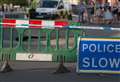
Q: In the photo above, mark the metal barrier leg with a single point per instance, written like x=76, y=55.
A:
x=61, y=68
x=5, y=67
x=6, y=58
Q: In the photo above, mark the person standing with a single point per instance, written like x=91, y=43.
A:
x=99, y=15
x=81, y=10
x=90, y=8
x=119, y=10
x=2, y=14
x=108, y=17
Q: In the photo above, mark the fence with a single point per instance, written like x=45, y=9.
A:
x=51, y=42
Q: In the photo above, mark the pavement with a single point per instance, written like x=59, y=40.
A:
x=44, y=72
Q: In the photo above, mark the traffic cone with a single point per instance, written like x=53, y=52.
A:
x=61, y=68
x=5, y=67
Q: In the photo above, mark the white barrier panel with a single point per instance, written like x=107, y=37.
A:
x=33, y=57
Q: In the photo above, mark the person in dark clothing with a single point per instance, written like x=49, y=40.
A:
x=81, y=11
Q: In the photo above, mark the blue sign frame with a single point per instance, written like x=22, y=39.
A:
x=98, y=55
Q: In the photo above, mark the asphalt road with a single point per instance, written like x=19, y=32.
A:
x=44, y=72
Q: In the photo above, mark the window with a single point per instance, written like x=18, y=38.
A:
x=49, y=4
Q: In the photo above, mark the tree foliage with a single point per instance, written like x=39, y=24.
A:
x=15, y=2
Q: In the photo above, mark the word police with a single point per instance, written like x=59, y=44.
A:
x=109, y=48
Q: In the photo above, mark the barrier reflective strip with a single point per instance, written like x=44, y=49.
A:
x=35, y=24
x=117, y=29
x=11, y=23
x=1, y=35
x=61, y=24
x=94, y=28
x=86, y=27
x=48, y=24
x=0, y=22
x=8, y=23
x=77, y=23
x=22, y=24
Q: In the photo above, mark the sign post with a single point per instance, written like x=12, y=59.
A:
x=98, y=55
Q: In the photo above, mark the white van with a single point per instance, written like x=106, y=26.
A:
x=51, y=9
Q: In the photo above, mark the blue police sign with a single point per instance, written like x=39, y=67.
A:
x=98, y=55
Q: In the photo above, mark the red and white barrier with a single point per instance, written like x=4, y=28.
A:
x=12, y=23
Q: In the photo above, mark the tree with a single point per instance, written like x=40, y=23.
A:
x=33, y=4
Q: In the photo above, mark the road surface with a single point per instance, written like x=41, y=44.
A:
x=43, y=72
